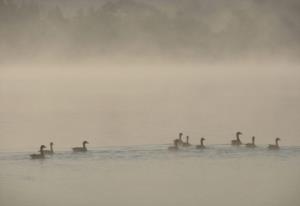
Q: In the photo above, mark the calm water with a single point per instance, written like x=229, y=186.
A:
x=152, y=175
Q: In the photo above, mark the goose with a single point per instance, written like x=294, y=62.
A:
x=179, y=140
x=274, y=146
x=175, y=147
x=237, y=141
x=186, y=144
x=201, y=146
x=81, y=149
x=251, y=145
x=50, y=152
x=41, y=155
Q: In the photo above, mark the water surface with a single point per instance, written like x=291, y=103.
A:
x=152, y=175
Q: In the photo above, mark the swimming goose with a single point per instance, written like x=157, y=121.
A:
x=186, y=144
x=175, y=147
x=39, y=156
x=50, y=152
x=81, y=149
x=251, y=145
x=179, y=140
x=237, y=141
x=276, y=145
x=201, y=146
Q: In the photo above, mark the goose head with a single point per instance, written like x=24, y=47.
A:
x=85, y=142
x=51, y=143
x=239, y=133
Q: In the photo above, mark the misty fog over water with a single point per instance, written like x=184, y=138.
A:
x=121, y=104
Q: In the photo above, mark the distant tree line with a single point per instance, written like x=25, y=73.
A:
x=135, y=27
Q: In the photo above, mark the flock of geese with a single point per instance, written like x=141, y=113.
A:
x=236, y=142
x=44, y=152
x=177, y=144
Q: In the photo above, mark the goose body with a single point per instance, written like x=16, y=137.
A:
x=276, y=145
x=50, y=152
x=201, y=146
x=175, y=147
x=237, y=141
x=252, y=144
x=186, y=144
x=39, y=156
x=81, y=149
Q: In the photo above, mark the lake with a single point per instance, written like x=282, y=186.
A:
x=152, y=175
